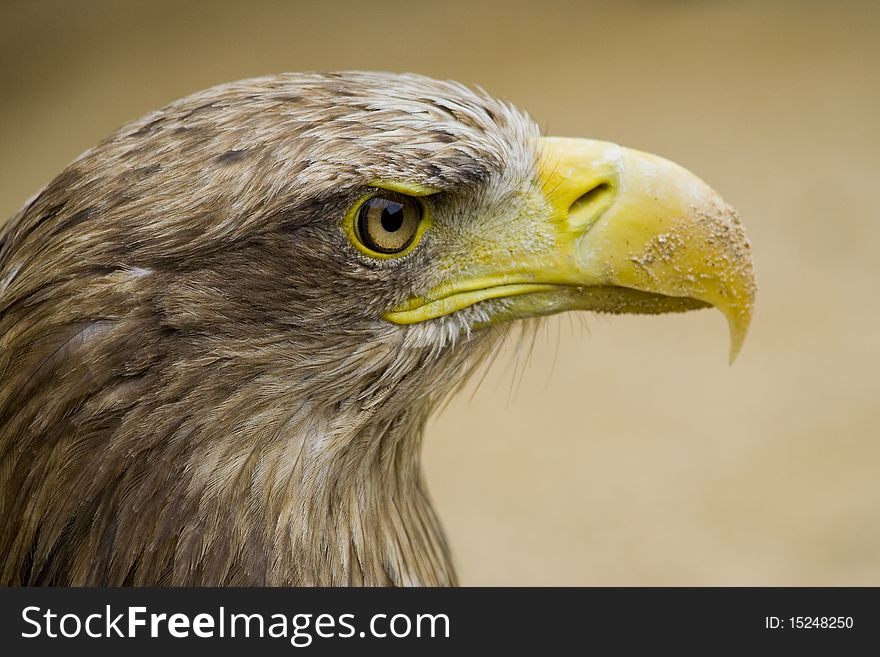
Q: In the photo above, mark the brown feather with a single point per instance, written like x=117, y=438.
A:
x=196, y=386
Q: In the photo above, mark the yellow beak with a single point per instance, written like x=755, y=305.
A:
x=632, y=233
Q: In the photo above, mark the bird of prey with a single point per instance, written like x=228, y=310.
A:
x=223, y=328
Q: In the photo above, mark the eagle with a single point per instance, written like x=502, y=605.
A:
x=223, y=328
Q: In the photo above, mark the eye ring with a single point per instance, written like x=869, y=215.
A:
x=387, y=224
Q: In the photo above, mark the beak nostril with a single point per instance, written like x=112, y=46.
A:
x=590, y=205
x=589, y=197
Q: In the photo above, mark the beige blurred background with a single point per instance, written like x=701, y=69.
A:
x=624, y=451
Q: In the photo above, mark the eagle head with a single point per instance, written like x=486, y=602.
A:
x=223, y=328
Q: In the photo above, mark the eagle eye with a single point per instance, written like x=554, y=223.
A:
x=388, y=223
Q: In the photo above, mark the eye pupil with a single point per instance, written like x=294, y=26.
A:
x=388, y=223
x=392, y=218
